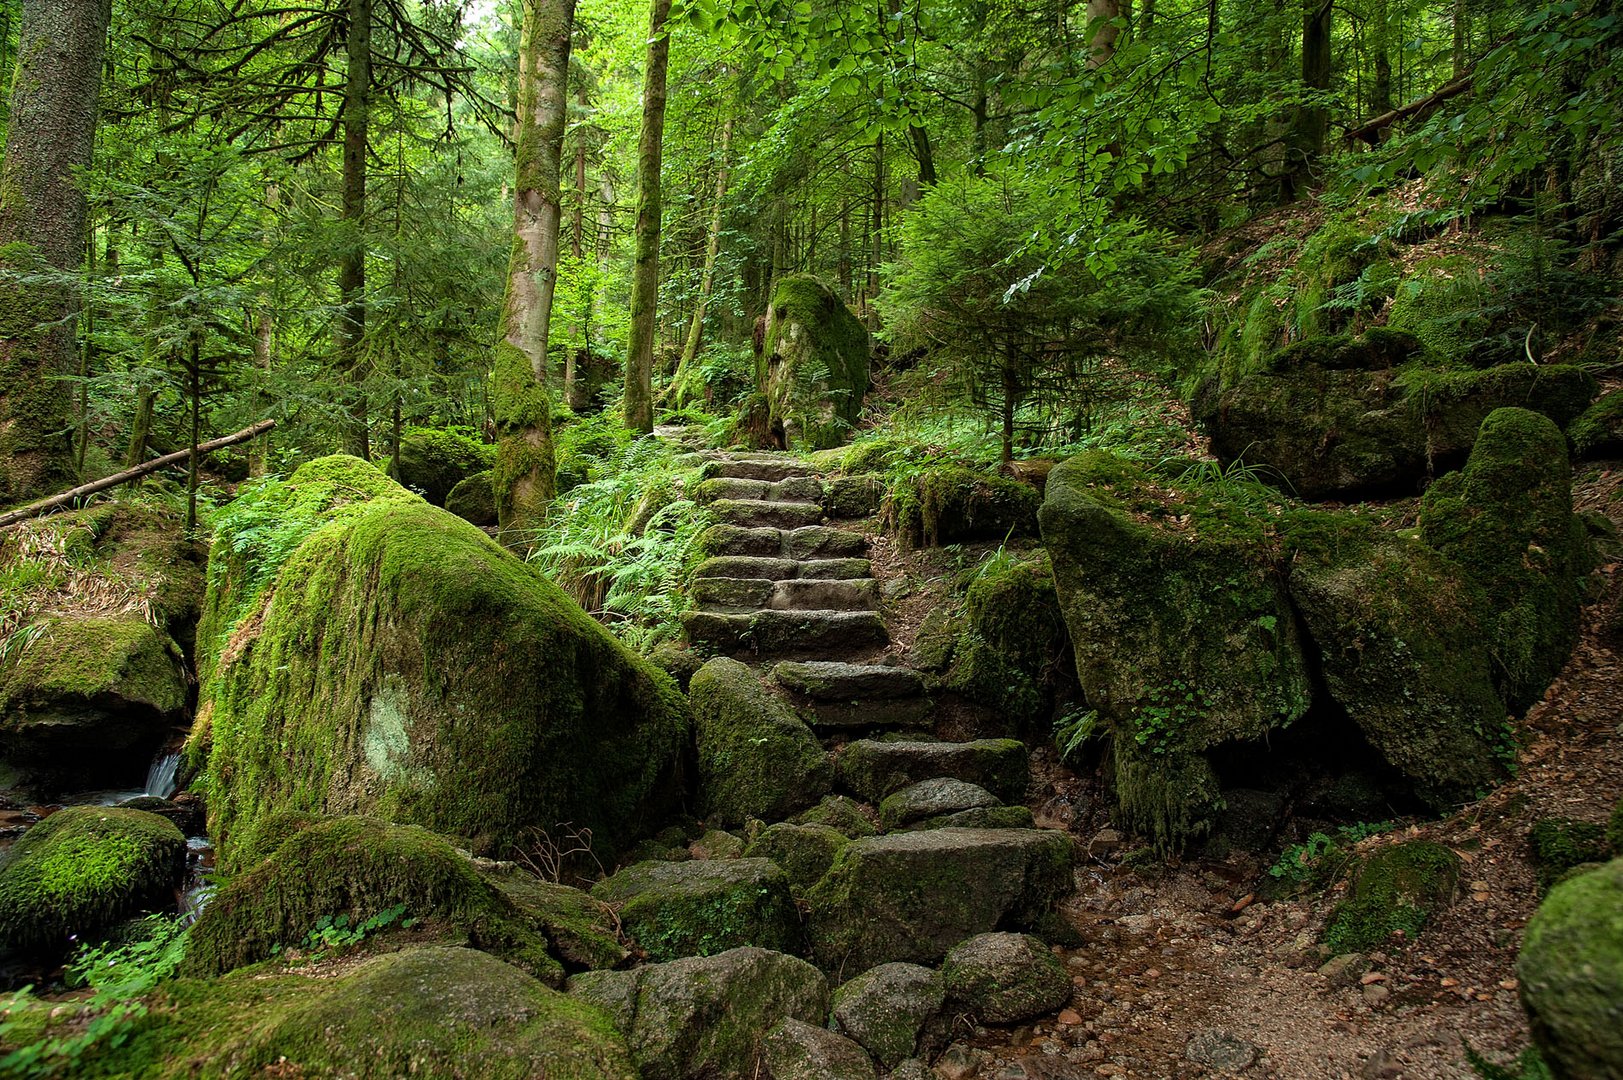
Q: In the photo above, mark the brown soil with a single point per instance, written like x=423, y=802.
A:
x=1171, y=951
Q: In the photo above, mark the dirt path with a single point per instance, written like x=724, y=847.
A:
x=1168, y=957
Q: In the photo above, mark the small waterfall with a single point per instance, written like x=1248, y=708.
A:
x=161, y=774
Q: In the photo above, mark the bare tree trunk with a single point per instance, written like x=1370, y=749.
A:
x=51, y=132
x=1102, y=15
x=712, y=248
x=639, y=396
x=525, y=477
x=1380, y=44
x=357, y=110
x=1312, y=122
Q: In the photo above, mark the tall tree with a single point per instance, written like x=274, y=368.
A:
x=1312, y=118
x=690, y=350
x=639, y=396
x=525, y=466
x=51, y=132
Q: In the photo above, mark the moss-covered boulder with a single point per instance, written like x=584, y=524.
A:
x=805, y=852
x=433, y=1011
x=1321, y=432
x=705, y=1016
x=1571, y=975
x=99, y=606
x=1182, y=630
x=756, y=757
x=796, y=1050
x=1507, y=520
x=364, y=652
x=474, y=499
x=83, y=869
x=932, y=798
x=911, y=896
x=1395, y=890
x=583, y=932
x=1005, y=978
x=946, y=504
x=358, y=867
x=1598, y=433
x=1404, y=651
x=841, y=813
x=704, y=906
x=814, y=365
x=886, y=1007
x=435, y=460
x=1558, y=844
x=1013, y=642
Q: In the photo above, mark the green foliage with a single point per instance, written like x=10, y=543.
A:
x=339, y=933
x=1075, y=730
x=1396, y=890
x=1560, y=844
x=1322, y=856
x=1529, y=1065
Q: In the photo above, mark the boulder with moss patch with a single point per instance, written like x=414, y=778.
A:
x=911, y=896
x=1559, y=844
x=359, y=867
x=705, y=1016
x=1013, y=643
x=364, y=652
x=756, y=757
x=1005, y=978
x=814, y=365
x=433, y=461
x=582, y=930
x=1395, y=890
x=796, y=1050
x=474, y=499
x=840, y=813
x=805, y=852
x=1507, y=520
x=1571, y=975
x=886, y=1007
x=703, y=907
x=944, y=504
x=1598, y=433
x=83, y=869
x=875, y=768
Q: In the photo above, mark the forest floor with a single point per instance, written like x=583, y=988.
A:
x=1178, y=953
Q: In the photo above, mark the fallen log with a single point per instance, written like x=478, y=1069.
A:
x=1369, y=131
x=34, y=509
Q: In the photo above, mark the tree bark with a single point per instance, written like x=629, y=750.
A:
x=525, y=477
x=1381, y=37
x=1312, y=122
x=1101, y=20
x=712, y=248
x=357, y=110
x=639, y=396
x=51, y=132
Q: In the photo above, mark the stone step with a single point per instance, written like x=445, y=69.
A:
x=824, y=680
x=863, y=716
x=784, y=631
x=771, y=468
x=807, y=542
x=794, y=489
x=873, y=769
x=760, y=566
x=759, y=512
x=794, y=594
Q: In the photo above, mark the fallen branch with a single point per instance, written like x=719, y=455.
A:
x=1369, y=131
x=11, y=517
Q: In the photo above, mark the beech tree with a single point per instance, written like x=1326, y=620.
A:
x=639, y=397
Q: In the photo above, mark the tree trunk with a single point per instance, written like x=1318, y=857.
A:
x=639, y=396
x=1461, y=29
x=357, y=110
x=1380, y=44
x=51, y=132
x=1102, y=15
x=712, y=248
x=1311, y=123
x=525, y=477
x=921, y=148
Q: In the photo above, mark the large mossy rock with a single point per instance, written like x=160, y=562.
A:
x=704, y=907
x=815, y=360
x=104, y=601
x=1598, y=433
x=1013, y=642
x=422, y=1012
x=756, y=757
x=886, y=1007
x=1323, y=430
x=433, y=461
x=805, y=852
x=1005, y=978
x=358, y=867
x=1396, y=889
x=705, y=1016
x=83, y=869
x=945, y=504
x=364, y=652
x=796, y=1050
x=912, y=896
x=1506, y=518
x=474, y=499
x=1571, y=975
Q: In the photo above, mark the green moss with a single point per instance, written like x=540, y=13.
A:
x=358, y=866
x=421, y=1012
x=523, y=478
x=868, y=455
x=815, y=361
x=1440, y=301
x=1507, y=520
x=704, y=907
x=398, y=662
x=805, y=852
x=1398, y=888
x=1013, y=641
x=1171, y=800
x=473, y=499
x=841, y=813
x=583, y=931
x=941, y=503
x=1571, y=974
x=1333, y=261
x=756, y=757
x=1614, y=828
x=1559, y=844
x=434, y=460
x=83, y=658
x=1598, y=432
x=84, y=868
